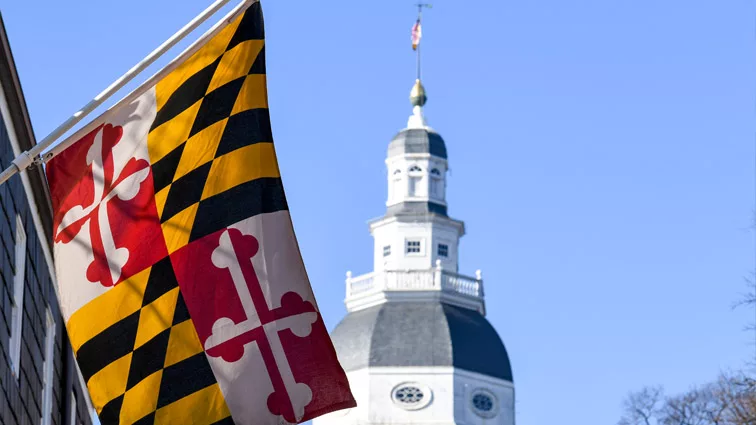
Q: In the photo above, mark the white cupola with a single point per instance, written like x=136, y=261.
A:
x=416, y=232
x=416, y=159
x=415, y=343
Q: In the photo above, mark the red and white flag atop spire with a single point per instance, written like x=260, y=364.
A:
x=417, y=33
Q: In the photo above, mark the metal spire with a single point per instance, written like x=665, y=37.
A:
x=417, y=94
x=420, y=7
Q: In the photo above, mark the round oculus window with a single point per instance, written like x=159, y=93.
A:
x=411, y=396
x=484, y=403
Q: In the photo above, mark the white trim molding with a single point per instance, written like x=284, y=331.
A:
x=17, y=310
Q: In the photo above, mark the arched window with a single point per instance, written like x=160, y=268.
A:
x=395, y=189
x=414, y=179
x=436, y=184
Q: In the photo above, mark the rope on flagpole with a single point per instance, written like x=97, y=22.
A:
x=32, y=156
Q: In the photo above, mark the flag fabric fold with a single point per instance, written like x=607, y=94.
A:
x=184, y=292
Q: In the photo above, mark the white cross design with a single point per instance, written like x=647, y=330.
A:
x=123, y=187
x=262, y=324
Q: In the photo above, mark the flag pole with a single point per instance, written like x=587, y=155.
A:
x=420, y=21
x=420, y=7
x=32, y=156
x=172, y=65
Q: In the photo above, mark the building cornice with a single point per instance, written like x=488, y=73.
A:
x=423, y=218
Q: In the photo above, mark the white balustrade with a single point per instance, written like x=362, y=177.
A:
x=462, y=284
x=414, y=280
x=360, y=284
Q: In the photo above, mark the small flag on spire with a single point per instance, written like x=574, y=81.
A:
x=416, y=34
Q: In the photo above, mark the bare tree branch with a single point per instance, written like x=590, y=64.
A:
x=731, y=400
x=642, y=407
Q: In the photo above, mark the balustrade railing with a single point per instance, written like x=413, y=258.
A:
x=413, y=280
x=462, y=284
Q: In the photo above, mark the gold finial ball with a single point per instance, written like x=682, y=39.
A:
x=417, y=95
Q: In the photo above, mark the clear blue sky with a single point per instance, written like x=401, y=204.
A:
x=602, y=157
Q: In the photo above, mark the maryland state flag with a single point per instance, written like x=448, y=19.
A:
x=185, y=296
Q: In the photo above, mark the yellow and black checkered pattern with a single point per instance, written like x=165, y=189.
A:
x=210, y=145
x=213, y=164
x=141, y=357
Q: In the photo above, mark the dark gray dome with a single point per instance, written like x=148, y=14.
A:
x=421, y=334
x=417, y=140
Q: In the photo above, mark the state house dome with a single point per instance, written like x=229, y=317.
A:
x=421, y=334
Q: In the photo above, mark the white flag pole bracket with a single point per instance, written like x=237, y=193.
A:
x=33, y=157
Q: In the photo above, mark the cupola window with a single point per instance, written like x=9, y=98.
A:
x=436, y=184
x=412, y=188
x=414, y=246
x=443, y=250
x=387, y=250
x=415, y=175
